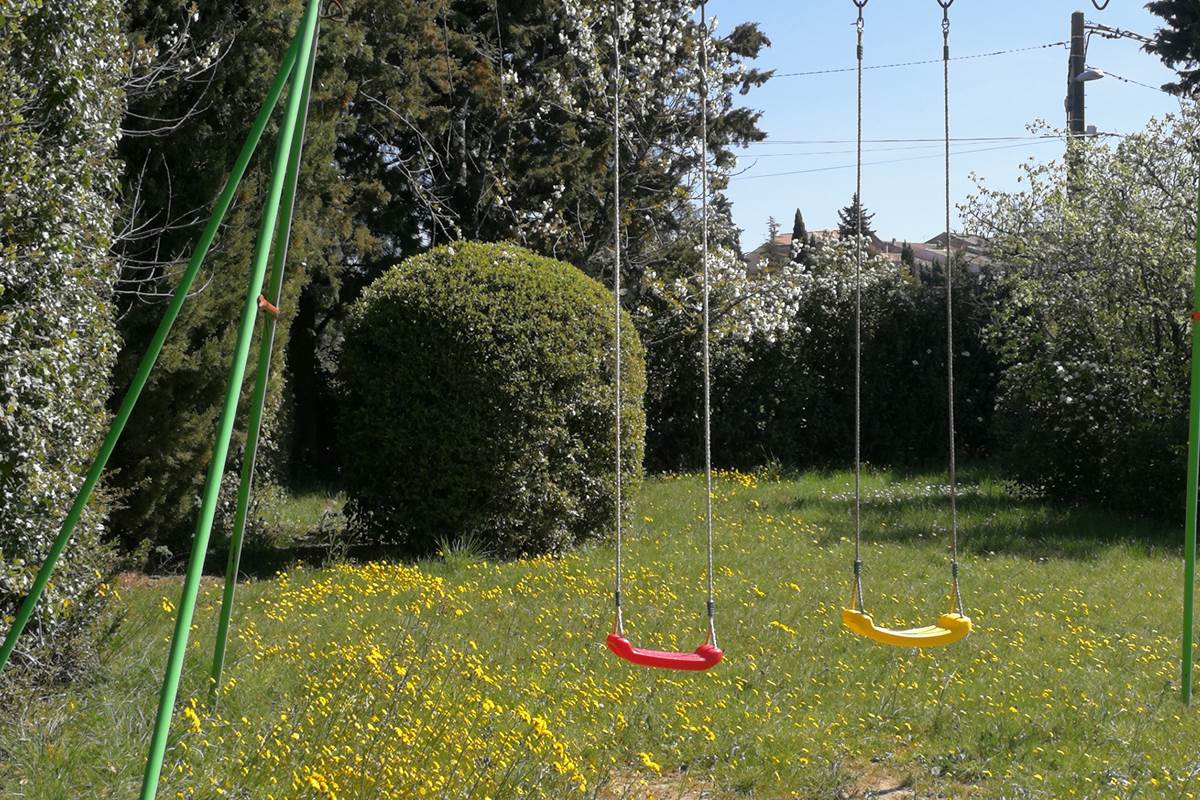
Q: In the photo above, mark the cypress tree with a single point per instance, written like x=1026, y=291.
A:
x=799, y=232
x=801, y=239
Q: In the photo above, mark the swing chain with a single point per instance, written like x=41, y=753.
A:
x=858, y=590
x=946, y=32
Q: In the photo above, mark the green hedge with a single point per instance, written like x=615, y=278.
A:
x=61, y=69
x=788, y=398
x=478, y=403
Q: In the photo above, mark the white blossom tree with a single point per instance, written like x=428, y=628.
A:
x=1092, y=330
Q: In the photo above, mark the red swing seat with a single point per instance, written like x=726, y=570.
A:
x=703, y=657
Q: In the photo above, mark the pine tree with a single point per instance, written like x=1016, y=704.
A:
x=774, y=258
x=848, y=219
x=1177, y=43
x=907, y=256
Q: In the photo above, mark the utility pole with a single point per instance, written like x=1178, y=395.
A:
x=1076, y=64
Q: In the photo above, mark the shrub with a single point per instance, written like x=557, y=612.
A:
x=1093, y=331
x=60, y=103
x=478, y=402
x=783, y=392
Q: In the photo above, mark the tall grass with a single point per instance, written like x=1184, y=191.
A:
x=468, y=678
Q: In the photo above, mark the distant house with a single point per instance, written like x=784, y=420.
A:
x=776, y=251
x=926, y=254
x=779, y=250
x=969, y=250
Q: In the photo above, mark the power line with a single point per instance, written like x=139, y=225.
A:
x=880, y=163
x=835, y=70
x=1108, y=74
x=939, y=140
x=799, y=154
x=840, y=152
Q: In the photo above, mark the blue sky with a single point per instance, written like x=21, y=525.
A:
x=990, y=97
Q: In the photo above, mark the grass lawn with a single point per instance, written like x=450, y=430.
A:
x=464, y=678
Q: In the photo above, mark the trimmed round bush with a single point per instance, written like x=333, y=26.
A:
x=478, y=404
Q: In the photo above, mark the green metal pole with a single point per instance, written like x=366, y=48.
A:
x=148, y=360
x=1193, y=474
x=266, y=347
x=258, y=270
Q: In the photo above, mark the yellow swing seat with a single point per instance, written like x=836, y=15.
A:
x=949, y=629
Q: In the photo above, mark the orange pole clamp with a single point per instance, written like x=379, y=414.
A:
x=266, y=305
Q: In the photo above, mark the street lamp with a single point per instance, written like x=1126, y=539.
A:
x=1078, y=73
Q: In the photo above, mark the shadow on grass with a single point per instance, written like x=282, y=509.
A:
x=266, y=562
x=989, y=521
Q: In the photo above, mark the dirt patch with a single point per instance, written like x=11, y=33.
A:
x=138, y=580
x=879, y=782
x=630, y=785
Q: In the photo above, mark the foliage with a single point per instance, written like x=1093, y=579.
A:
x=381, y=680
x=783, y=364
x=60, y=100
x=493, y=122
x=183, y=135
x=1178, y=42
x=801, y=242
x=453, y=119
x=508, y=135
x=669, y=316
x=478, y=402
x=1093, y=331
x=850, y=217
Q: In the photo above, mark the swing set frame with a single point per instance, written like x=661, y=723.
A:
x=295, y=74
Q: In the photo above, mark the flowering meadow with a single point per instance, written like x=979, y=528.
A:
x=465, y=678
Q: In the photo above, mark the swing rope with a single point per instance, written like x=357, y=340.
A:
x=858, y=590
x=619, y=624
x=707, y=654
x=954, y=625
x=708, y=506
x=957, y=594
